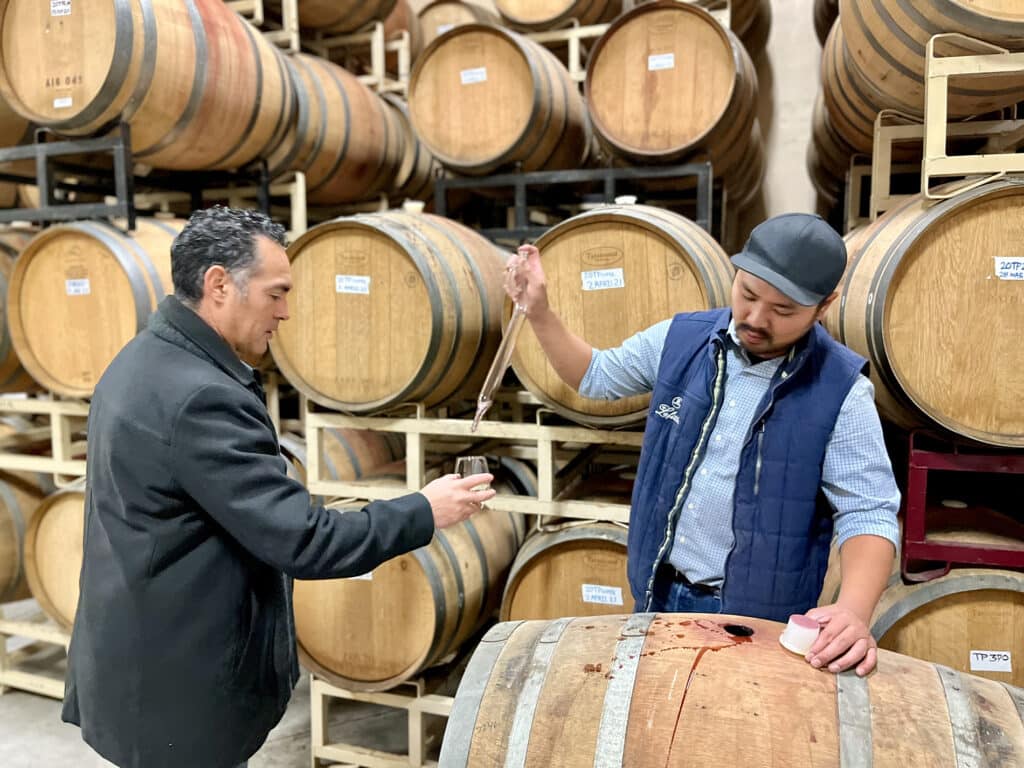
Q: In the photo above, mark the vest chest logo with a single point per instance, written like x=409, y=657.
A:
x=670, y=412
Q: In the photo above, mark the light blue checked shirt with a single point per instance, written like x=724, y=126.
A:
x=856, y=476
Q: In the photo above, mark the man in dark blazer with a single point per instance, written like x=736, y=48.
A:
x=183, y=649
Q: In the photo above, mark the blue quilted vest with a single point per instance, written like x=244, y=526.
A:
x=781, y=521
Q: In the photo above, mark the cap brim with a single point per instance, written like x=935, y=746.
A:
x=800, y=295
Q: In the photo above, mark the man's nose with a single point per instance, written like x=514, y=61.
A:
x=757, y=316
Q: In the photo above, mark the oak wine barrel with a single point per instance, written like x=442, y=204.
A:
x=390, y=308
x=614, y=271
x=667, y=81
x=348, y=454
x=13, y=377
x=929, y=298
x=20, y=494
x=483, y=98
x=344, y=137
x=414, y=177
x=692, y=690
x=573, y=570
x=438, y=17
x=198, y=85
x=538, y=15
x=53, y=553
x=886, y=40
x=80, y=292
x=343, y=15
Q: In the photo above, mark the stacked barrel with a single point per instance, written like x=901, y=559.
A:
x=874, y=59
x=666, y=83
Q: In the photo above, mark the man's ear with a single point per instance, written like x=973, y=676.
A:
x=825, y=304
x=215, y=284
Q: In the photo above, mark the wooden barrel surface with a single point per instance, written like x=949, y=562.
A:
x=536, y=15
x=344, y=138
x=53, y=553
x=688, y=690
x=19, y=499
x=348, y=454
x=438, y=17
x=483, y=98
x=577, y=570
x=926, y=301
x=13, y=377
x=14, y=129
x=390, y=308
x=666, y=80
x=886, y=41
x=612, y=272
x=376, y=631
x=199, y=86
x=414, y=177
x=343, y=15
x=80, y=292
x=852, y=101
x=951, y=618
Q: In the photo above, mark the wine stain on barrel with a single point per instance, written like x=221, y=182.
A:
x=738, y=634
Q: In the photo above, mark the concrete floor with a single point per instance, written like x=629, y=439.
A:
x=33, y=736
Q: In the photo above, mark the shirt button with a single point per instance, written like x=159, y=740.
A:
x=691, y=506
x=703, y=472
x=682, y=539
x=732, y=403
x=718, y=438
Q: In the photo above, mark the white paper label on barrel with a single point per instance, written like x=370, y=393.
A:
x=60, y=7
x=362, y=577
x=603, y=279
x=991, y=661
x=79, y=287
x=62, y=103
x=475, y=75
x=596, y=593
x=352, y=284
x=661, y=61
x=1010, y=267
x=442, y=28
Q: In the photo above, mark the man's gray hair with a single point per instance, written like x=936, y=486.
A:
x=218, y=236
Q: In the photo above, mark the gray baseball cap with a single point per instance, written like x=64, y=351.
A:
x=797, y=253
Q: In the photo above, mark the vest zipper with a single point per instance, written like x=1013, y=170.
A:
x=695, y=458
x=762, y=416
x=757, y=466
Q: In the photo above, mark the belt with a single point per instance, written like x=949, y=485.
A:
x=668, y=571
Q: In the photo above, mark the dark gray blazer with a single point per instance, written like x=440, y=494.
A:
x=183, y=649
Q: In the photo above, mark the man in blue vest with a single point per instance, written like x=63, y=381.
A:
x=762, y=441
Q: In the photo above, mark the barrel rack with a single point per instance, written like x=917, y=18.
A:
x=557, y=189
x=1002, y=137
x=281, y=26
x=411, y=697
x=929, y=453
x=40, y=646
x=547, y=442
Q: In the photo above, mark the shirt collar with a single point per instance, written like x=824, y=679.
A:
x=200, y=333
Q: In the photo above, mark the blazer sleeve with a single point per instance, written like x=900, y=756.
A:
x=226, y=458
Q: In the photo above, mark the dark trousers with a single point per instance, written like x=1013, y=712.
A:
x=674, y=594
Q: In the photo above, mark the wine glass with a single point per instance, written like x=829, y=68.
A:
x=472, y=465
